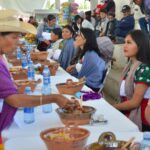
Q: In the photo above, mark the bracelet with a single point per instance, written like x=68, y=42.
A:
x=41, y=99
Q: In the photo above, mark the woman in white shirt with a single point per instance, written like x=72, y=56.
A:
x=55, y=47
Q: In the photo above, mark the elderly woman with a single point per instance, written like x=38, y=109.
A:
x=10, y=98
x=135, y=84
x=88, y=61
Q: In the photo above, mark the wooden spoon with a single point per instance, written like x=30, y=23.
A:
x=128, y=143
x=79, y=83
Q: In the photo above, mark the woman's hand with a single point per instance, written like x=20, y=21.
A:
x=71, y=68
x=65, y=102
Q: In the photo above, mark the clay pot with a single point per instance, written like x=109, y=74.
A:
x=53, y=66
x=42, y=62
x=24, y=83
x=19, y=74
x=76, y=118
x=39, y=55
x=11, y=56
x=107, y=141
x=78, y=142
x=69, y=87
x=15, y=62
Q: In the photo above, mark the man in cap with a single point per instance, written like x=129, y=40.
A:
x=125, y=25
x=46, y=27
x=144, y=21
x=87, y=22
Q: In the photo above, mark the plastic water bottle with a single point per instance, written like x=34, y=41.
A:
x=19, y=54
x=24, y=61
x=28, y=56
x=31, y=73
x=29, y=47
x=145, y=144
x=46, y=75
x=46, y=89
x=28, y=111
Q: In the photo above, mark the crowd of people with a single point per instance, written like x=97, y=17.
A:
x=83, y=49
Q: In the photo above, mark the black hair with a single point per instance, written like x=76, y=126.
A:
x=104, y=11
x=50, y=17
x=88, y=15
x=77, y=17
x=90, y=44
x=143, y=44
x=69, y=28
x=21, y=19
x=31, y=17
x=58, y=32
x=112, y=14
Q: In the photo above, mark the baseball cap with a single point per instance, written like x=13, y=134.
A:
x=125, y=8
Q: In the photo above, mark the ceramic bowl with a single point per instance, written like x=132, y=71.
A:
x=65, y=138
x=15, y=62
x=70, y=87
x=53, y=67
x=22, y=84
x=19, y=73
x=76, y=117
x=39, y=55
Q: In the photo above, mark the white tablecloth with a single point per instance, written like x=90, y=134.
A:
x=35, y=143
x=117, y=122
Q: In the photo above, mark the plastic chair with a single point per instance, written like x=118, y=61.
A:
x=105, y=74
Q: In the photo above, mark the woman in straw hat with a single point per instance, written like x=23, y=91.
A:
x=9, y=31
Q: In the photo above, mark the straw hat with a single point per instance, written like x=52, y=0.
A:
x=9, y=23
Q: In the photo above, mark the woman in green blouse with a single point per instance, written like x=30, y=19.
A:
x=135, y=84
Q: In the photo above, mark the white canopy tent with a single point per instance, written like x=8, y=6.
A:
x=23, y=6
x=30, y=6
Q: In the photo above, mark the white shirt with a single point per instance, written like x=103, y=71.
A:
x=122, y=91
x=87, y=24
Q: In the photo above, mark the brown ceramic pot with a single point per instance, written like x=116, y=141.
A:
x=19, y=74
x=71, y=89
x=78, y=141
x=39, y=55
x=76, y=118
x=11, y=56
x=53, y=67
x=24, y=83
x=15, y=62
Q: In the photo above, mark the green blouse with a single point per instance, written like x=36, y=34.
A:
x=142, y=74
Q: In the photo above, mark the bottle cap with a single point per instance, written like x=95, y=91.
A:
x=27, y=89
x=45, y=67
x=30, y=62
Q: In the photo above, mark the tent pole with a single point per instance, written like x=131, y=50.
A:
x=93, y=4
